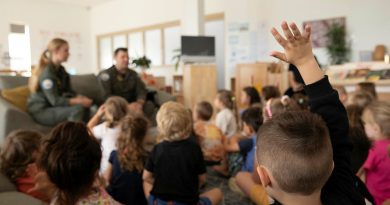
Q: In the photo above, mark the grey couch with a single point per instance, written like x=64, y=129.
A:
x=12, y=118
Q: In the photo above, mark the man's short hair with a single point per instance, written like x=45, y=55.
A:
x=119, y=50
x=204, y=110
x=295, y=147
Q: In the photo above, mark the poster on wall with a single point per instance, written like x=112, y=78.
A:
x=319, y=28
x=75, y=44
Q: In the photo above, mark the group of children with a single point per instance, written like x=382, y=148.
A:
x=275, y=150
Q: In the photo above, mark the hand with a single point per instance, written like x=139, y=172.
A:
x=42, y=184
x=101, y=111
x=86, y=102
x=297, y=46
x=135, y=107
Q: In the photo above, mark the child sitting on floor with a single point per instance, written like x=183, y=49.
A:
x=209, y=135
x=175, y=170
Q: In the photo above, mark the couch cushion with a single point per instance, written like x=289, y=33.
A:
x=17, y=198
x=12, y=81
x=5, y=184
x=17, y=96
x=87, y=85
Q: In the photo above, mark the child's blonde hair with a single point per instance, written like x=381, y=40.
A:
x=174, y=122
x=115, y=110
x=380, y=111
x=45, y=59
x=131, y=152
x=16, y=152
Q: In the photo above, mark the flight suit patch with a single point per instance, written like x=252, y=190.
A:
x=47, y=84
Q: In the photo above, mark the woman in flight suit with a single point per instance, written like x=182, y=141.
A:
x=52, y=99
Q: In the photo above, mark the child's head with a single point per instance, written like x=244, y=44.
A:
x=71, y=158
x=276, y=106
x=367, y=87
x=203, y=111
x=174, y=121
x=115, y=109
x=252, y=119
x=361, y=98
x=131, y=152
x=270, y=91
x=250, y=96
x=376, y=118
x=343, y=95
x=294, y=153
x=20, y=148
x=355, y=113
x=225, y=99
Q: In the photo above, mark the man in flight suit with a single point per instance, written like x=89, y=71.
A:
x=120, y=80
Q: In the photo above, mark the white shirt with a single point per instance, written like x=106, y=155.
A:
x=226, y=122
x=109, y=137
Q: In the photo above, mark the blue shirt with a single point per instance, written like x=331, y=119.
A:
x=247, y=149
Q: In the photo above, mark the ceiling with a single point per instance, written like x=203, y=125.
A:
x=83, y=3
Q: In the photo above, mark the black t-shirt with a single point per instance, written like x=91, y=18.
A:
x=176, y=167
x=126, y=187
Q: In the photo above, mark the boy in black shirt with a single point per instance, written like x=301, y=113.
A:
x=176, y=168
x=294, y=150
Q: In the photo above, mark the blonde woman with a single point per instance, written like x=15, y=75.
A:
x=52, y=99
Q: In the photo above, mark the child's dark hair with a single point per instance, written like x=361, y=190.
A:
x=368, y=87
x=131, y=152
x=295, y=146
x=355, y=113
x=253, y=94
x=204, y=110
x=270, y=91
x=361, y=146
x=16, y=152
x=301, y=100
x=362, y=98
x=253, y=117
x=71, y=158
x=229, y=101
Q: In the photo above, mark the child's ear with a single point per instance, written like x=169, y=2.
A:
x=264, y=177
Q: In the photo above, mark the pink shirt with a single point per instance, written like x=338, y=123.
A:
x=377, y=167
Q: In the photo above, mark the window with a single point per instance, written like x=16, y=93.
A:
x=19, y=48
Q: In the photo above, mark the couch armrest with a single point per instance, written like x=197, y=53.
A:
x=12, y=118
x=17, y=198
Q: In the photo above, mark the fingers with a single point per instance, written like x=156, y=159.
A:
x=278, y=37
x=287, y=31
x=295, y=30
x=307, y=32
x=279, y=55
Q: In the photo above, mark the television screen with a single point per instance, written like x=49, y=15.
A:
x=198, y=46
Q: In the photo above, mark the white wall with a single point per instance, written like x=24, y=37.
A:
x=53, y=17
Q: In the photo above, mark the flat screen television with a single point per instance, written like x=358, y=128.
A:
x=198, y=49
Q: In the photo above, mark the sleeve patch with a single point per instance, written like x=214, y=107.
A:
x=47, y=84
x=104, y=77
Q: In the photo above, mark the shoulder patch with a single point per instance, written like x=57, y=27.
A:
x=104, y=77
x=47, y=84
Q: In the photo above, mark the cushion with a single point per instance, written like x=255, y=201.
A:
x=7, y=82
x=6, y=184
x=87, y=85
x=17, y=96
x=16, y=198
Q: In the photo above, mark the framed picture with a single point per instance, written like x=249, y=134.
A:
x=319, y=28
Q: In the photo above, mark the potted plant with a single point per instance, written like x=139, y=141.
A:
x=142, y=62
x=177, y=58
x=338, y=48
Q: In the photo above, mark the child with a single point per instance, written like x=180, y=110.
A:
x=250, y=97
x=294, y=149
x=175, y=170
x=269, y=92
x=18, y=156
x=210, y=136
x=124, y=172
x=376, y=118
x=252, y=119
x=71, y=158
x=226, y=118
x=368, y=87
x=113, y=111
